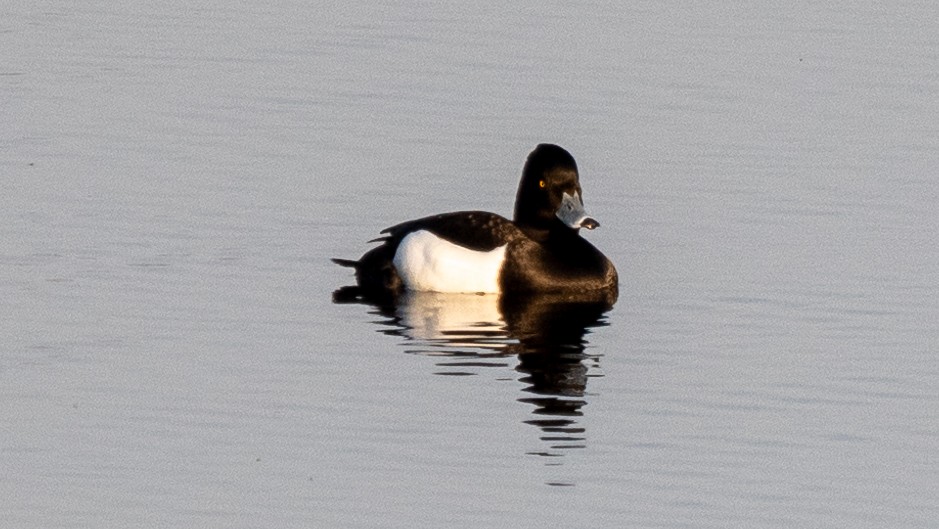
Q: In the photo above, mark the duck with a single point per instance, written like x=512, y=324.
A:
x=539, y=251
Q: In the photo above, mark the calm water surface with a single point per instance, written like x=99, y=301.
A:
x=175, y=178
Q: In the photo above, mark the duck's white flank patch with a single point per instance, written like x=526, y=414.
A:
x=426, y=262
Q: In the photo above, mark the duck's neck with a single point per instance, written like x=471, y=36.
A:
x=536, y=234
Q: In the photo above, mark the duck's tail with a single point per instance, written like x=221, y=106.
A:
x=369, y=289
x=375, y=274
x=348, y=263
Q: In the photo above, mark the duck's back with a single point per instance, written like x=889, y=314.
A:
x=475, y=230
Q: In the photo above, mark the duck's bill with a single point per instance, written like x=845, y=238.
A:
x=572, y=213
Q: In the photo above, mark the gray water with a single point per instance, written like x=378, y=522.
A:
x=175, y=178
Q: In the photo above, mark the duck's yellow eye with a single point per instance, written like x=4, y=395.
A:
x=541, y=184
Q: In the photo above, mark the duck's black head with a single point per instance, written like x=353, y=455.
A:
x=549, y=195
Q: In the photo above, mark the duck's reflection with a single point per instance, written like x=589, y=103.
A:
x=545, y=333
